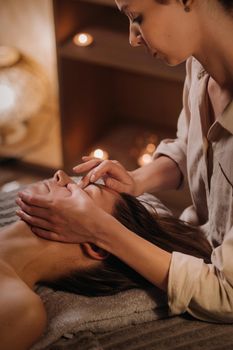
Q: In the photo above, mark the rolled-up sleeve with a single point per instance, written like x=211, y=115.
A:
x=203, y=290
x=176, y=149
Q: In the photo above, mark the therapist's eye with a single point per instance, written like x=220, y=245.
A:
x=137, y=19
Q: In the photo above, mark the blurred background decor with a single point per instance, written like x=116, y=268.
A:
x=30, y=125
x=23, y=91
x=87, y=90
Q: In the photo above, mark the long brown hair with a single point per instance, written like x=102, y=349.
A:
x=113, y=275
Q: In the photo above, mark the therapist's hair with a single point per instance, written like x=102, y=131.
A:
x=227, y=4
x=113, y=275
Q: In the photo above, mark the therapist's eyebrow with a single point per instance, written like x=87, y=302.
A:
x=124, y=9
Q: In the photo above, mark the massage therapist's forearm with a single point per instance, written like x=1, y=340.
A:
x=161, y=174
x=147, y=259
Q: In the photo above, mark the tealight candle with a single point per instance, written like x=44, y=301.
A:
x=146, y=158
x=83, y=39
x=99, y=153
x=150, y=148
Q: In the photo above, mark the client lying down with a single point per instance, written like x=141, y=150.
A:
x=26, y=260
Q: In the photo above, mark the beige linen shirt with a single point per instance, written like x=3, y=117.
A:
x=204, y=290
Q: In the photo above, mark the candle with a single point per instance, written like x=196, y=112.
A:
x=99, y=153
x=83, y=39
x=145, y=158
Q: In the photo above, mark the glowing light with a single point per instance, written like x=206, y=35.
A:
x=150, y=148
x=7, y=97
x=146, y=158
x=83, y=39
x=99, y=153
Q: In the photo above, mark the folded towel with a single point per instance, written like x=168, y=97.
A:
x=70, y=313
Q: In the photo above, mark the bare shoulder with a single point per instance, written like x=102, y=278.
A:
x=22, y=313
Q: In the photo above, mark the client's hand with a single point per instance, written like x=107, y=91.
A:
x=60, y=213
x=114, y=175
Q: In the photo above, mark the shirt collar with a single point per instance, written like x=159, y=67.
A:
x=226, y=119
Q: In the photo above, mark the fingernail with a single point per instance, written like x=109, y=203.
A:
x=92, y=179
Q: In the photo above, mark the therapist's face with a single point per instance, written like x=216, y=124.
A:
x=163, y=27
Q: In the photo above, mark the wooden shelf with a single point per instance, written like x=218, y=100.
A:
x=126, y=141
x=112, y=49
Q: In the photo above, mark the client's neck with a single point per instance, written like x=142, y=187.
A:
x=34, y=259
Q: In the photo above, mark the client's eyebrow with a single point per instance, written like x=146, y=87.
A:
x=99, y=186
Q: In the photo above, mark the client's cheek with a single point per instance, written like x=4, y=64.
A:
x=38, y=188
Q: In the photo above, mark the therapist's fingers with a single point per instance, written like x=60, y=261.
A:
x=32, y=210
x=85, y=181
x=109, y=168
x=34, y=199
x=87, y=166
x=34, y=221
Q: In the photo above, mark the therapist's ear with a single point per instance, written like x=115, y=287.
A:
x=95, y=252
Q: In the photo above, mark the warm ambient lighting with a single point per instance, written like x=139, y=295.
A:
x=150, y=148
x=145, y=159
x=99, y=153
x=7, y=97
x=146, y=154
x=83, y=39
x=23, y=91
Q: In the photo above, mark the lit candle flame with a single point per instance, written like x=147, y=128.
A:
x=99, y=153
x=146, y=158
x=150, y=148
x=83, y=39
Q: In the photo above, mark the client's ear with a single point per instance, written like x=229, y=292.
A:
x=95, y=252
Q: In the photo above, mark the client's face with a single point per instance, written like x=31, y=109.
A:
x=73, y=255
x=103, y=197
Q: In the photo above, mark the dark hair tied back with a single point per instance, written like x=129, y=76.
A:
x=227, y=4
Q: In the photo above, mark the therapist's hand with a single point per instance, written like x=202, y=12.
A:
x=61, y=213
x=114, y=175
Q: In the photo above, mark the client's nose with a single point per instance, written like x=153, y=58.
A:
x=62, y=178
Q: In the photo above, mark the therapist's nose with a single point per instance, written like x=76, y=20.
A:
x=135, y=37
